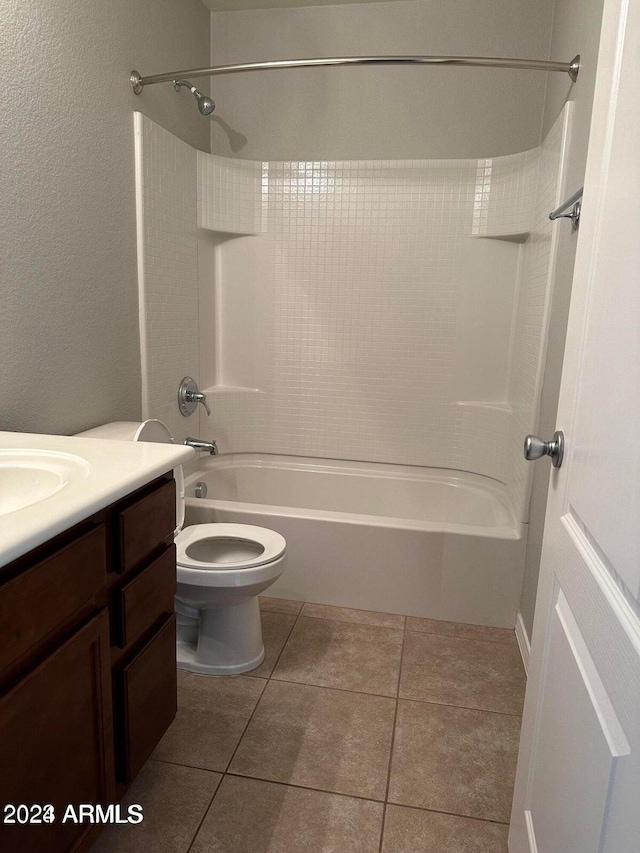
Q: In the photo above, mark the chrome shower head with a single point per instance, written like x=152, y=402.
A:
x=205, y=104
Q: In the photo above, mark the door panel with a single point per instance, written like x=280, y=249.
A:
x=579, y=741
x=578, y=778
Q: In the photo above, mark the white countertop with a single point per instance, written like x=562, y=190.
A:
x=102, y=471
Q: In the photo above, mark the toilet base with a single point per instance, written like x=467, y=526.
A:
x=229, y=641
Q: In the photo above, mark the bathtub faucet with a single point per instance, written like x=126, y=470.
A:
x=203, y=446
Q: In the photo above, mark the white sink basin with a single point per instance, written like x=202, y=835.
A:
x=48, y=483
x=30, y=476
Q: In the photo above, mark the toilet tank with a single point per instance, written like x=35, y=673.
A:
x=151, y=430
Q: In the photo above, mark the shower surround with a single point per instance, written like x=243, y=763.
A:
x=377, y=311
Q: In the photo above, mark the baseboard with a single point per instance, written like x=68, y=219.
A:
x=523, y=642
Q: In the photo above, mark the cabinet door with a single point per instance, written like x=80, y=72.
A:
x=56, y=743
x=149, y=698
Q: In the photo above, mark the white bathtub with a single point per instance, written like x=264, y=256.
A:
x=418, y=541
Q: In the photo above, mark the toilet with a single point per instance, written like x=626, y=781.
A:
x=221, y=570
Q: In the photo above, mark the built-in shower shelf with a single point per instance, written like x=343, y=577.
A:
x=484, y=404
x=509, y=236
x=230, y=232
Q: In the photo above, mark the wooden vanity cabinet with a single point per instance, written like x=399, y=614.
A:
x=87, y=665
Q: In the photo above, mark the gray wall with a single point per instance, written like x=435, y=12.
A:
x=69, y=348
x=576, y=27
x=373, y=113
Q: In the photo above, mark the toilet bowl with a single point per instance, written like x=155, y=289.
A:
x=221, y=570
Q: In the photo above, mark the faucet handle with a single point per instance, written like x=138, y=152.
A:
x=199, y=397
x=189, y=396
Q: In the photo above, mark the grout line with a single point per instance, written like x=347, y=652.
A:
x=284, y=645
x=351, y=622
x=472, y=639
x=262, y=692
x=397, y=697
x=393, y=740
x=204, y=815
x=330, y=687
x=303, y=787
x=355, y=610
x=190, y=766
x=223, y=773
x=461, y=707
x=511, y=631
x=396, y=628
x=451, y=814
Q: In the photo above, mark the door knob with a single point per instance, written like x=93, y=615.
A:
x=536, y=448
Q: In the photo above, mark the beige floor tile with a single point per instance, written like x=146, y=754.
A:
x=250, y=816
x=341, y=654
x=280, y=605
x=454, y=760
x=416, y=831
x=461, y=629
x=319, y=738
x=469, y=673
x=174, y=800
x=275, y=630
x=361, y=617
x=212, y=715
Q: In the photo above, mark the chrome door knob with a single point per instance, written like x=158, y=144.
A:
x=536, y=448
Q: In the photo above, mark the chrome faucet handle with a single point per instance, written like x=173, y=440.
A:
x=189, y=395
x=199, y=397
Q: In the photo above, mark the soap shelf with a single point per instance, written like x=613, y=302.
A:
x=509, y=236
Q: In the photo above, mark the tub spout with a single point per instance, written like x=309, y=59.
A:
x=203, y=446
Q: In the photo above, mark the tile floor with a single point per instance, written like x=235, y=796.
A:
x=360, y=732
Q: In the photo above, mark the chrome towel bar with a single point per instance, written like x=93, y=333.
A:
x=575, y=204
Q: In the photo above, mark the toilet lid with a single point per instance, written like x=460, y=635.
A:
x=228, y=546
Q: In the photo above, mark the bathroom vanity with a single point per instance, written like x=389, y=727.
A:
x=87, y=661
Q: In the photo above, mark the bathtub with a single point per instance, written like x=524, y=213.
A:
x=424, y=542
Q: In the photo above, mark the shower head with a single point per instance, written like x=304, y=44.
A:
x=205, y=104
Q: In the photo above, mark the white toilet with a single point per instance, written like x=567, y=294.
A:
x=221, y=569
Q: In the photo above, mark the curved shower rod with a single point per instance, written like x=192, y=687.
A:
x=571, y=68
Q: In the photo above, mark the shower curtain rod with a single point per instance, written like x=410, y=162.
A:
x=571, y=68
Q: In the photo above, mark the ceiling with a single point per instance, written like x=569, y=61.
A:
x=239, y=5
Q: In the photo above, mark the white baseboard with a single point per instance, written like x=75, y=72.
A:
x=523, y=642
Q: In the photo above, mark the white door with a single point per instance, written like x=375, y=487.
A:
x=578, y=780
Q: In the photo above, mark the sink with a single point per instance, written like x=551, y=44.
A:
x=30, y=476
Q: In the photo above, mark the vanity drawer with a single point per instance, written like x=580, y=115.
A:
x=146, y=524
x=36, y=601
x=147, y=597
x=149, y=685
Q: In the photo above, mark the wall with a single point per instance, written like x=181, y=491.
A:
x=380, y=113
x=576, y=27
x=69, y=330
x=166, y=176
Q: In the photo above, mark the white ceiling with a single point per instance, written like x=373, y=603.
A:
x=239, y=5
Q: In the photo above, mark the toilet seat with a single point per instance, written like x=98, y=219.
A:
x=273, y=546
x=221, y=569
